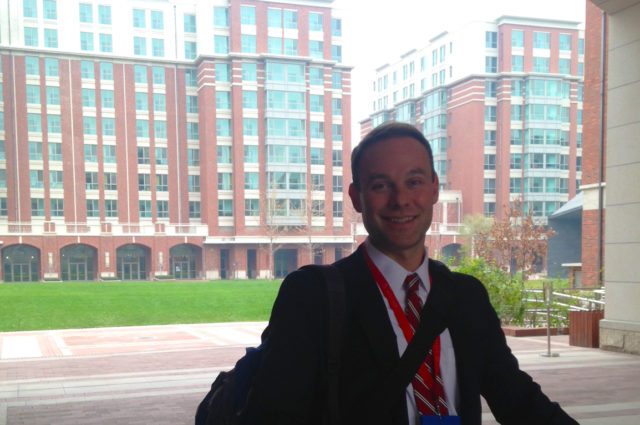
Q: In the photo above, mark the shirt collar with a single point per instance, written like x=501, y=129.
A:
x=393, y=272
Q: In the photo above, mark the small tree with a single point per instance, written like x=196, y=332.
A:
x=516, y=242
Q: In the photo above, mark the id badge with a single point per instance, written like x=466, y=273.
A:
x=439, y=420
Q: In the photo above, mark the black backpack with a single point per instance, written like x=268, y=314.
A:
x=224, y=404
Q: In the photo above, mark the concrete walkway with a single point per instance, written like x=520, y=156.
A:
x=158, y=374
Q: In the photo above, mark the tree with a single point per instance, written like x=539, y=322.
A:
x=515, y=243
x=473, y=226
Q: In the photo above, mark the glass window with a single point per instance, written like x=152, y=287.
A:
x=86, y=41
x=31, y=36
x=140, y=74
x=249, y=72
x=336, y=79
x=159, y=102
x=249, y=126
x=316, y=49
x=491, y=64
x=223, y=100
x=139, y=46
x=55, y=179
x=221, y=17
x=565, y=42
x=157, y=20
x=489, y=185
x=224, y=154
x=251, y=181
x=250, y=99
x=316, y=103
x=517, y=63
x=51, y=67
x=251, y=207
x=564, y=66
x=86, y=12
x=490, y=113
x=33, y=93
x=541, y=40
x=274, y=18
x=223, y=127
x=106, y=71
x=139, y=18
x=221, y=44
x=490, y=88
x=89, y=98
x=104, y=14
x=50, y=9
x=35, y=151
x=157, y=47
x=250, y=154
x=189, y=23
x=540, y=64
x=111, y=207
x=145, y=208
x=192, y=104
x=225, y=181
x=222, y=72
x=29, y=9
x=34, y=123
x=106, y=43
x=517, y=38
x=32, y=65
x=225, y=208
x=489, y=137
x=337, y=209
x=491, y=39
x=316, y=76
x=336, y=27
x=53, y=95
x=107, y=98
x=247, y=43
x=290, y=18
x=290, y=46
x=190, y=50
x=247, y=15
x=50, y=38
x=315, y=21
x=142, y=101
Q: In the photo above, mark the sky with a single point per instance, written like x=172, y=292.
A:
x=375, y=32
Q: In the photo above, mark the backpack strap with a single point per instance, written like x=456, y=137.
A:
x=337, y=313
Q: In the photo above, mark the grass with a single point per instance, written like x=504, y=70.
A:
x=68, y=305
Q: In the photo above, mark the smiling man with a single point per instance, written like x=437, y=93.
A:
x=390, y=284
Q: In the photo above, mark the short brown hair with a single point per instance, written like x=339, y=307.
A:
x=382, y=132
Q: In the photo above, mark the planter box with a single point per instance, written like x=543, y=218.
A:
x=521, y=331
x=584, y=328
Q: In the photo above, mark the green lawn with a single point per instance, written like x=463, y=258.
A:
x=34, y=306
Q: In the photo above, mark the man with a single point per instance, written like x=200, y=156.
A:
x=387, y=280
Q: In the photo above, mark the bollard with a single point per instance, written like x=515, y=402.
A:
x=548, y=292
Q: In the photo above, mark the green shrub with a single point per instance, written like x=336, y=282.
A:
x=505, y=291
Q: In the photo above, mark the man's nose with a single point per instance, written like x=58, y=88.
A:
x=399, y=196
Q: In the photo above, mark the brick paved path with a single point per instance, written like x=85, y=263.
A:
x=158, y=374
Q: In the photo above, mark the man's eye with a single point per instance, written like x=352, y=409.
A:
x=378, y=187
x=415, y=182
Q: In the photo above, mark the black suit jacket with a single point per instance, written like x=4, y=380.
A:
x=290, y=387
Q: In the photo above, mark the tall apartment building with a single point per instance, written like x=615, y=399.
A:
x=501, y=103
x=153, y=138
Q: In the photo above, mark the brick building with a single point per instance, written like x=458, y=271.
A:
x=154, y=138
x=501, y=103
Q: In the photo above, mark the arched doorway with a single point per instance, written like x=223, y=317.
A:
x=78, y=262
x=285, y=261
x=452, y=251
x=184, y=261
x=21, y=263
x=132, y=262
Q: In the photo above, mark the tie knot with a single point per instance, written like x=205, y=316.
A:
x=411, y=283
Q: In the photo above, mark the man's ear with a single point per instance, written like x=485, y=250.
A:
x=354, y=194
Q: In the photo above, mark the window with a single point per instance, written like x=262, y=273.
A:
x=491, y=64
x=490, y=138
x=249, y=72
x=157, y=47
x=540, y=64
x=581, y=46
x=336, y=79
x=336, y=131
x=224, y=154
x=249, y=99
x=517, y=63
x=110, y=181
x=337, y=209
x=315, y=21
x=490, y=113
x=193, y=183
x=160, y=129
x=107, y=98
x=91, y=153
x=29, y=9
x=250, y=154
x=157, y=20
x=55, y=179
x=106, y=43
x=144, y=182
x=33, y=93
x=336, y=27
x=34, y=123
x=86, y=41
x=109, y=154
x=316, y=76
x=316, y=49
x=157, y=74
x=564, y=66
x=139, y=46
x=223, y=99
x=32, y=65
x=89, y=98
x=140, y=74
x=111, y=207
x=162, y=182
x=57, y=207
x=55, y=151
x=336, y=53
x=221, y=17
x=31, y=36
x=106, y=71
x=35, y=151
x=139, y=18
x=145, y=208
x=53, y=124
x=50, y=38
x=515, y=162
x=225, y=208
x=316, y=129
x=317, y=182
x=316, y=103
x=565, y=42
x=222, y=72
x=86, y=13
x=491, y=39
x=290, y=46
x=193, y=130
x=162, y=209
x=51, y=67
x=290, y=18
x=336, y=183
x=247, y=43
x=247, y=15
x=93, y=209
x=489, y=185
x=142, y=101
x=336, y=106
x=159, y=102
x=251, y=207
x=517, y=38
x=223, y=127
x=249, y=126
x=221, y=44
x=516, y=112
x=143, y=155
x=142, y=128
x=274, y=18
x=189, y=23
x=541, y=40
x=91, y=180
x=336, y=157
x=274, y=45
x=251, y=181
x=490, y=88
x=190, y=50
x=225, y=181
x=104, y=14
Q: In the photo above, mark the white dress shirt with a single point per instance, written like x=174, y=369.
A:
x=395, y=275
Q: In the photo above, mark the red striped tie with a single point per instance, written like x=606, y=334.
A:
x=430, y=401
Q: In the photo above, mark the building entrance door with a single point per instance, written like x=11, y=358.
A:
x=182, y=269
x=77, y=270
x=21, y=272
x=130, y=270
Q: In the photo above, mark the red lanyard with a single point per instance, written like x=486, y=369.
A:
x=398, y=311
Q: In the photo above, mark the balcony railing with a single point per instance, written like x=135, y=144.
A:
x=102, y=228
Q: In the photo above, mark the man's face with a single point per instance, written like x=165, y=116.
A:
x=397, y=193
